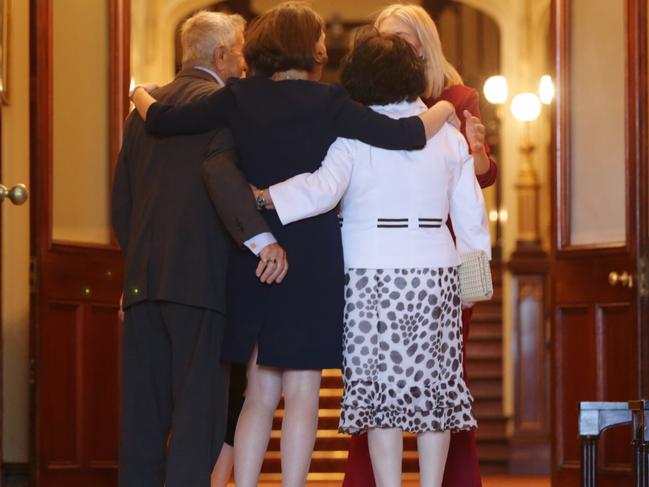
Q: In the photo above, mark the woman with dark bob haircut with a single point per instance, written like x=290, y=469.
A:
x=380, y=70
x=402, y=337
x=415, y=25
x=283, y=123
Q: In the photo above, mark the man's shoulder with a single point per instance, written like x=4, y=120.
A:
x=185, y=89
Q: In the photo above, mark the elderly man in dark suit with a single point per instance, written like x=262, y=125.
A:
x=175, y=246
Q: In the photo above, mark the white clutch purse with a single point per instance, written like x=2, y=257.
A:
x=475, y=277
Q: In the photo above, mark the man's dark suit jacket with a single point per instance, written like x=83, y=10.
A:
x=174, y=244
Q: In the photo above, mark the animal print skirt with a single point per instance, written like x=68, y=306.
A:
x=402, y=352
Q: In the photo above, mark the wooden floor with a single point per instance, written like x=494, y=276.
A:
x=516, y=482
x=486, y=482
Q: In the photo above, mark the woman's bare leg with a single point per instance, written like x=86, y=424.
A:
x=255, y=422
x=386, y=451
x=223, y=469
x=300, y=424
x=432, y=447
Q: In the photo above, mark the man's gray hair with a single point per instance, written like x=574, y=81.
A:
x=204, y=32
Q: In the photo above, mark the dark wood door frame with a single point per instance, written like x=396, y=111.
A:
x=59, y=260
x=640, y=80
x=572, y=294
x=1, y=344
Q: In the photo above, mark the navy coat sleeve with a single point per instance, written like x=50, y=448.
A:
x=354, y=121
x=208, y=113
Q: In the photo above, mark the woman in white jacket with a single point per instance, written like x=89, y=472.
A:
x=402, y=342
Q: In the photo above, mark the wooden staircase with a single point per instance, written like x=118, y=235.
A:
x=485, y=370
x=484, y=364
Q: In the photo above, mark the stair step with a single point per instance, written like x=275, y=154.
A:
x=487, y=388
x=486, y=395
x=493, y=306
x=484, y=370
x=486, y=436
x=487, y=333
x=478, y=328
x=480, y=350
x=493, y=450
x=490, y=416
x=485, y=337
x=487, y=407
x=497, y=427
x=331, y=382
x=485, y=317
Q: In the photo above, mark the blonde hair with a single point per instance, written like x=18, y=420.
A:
x=440, y=74
x=204, y=32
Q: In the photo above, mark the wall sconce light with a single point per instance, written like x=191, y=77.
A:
x=500, y=215
x=496, y=90
x=546, y=89
x=526, y=107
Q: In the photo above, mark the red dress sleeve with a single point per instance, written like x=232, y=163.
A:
x=465, y=98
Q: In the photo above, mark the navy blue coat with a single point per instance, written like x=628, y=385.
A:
x=284, y=128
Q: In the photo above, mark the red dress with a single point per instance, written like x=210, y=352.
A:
x=462, y=468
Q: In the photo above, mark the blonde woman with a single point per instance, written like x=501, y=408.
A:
x=414, y=24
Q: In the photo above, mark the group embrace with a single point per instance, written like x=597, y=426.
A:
x=224, y=180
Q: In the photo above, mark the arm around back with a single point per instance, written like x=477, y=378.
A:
x=229, y=191
x=205, y=114
x=354, y=121
x=311, y=194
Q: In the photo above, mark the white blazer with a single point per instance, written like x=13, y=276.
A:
x=395, y=204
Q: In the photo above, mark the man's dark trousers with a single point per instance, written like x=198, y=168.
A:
x=171, y=357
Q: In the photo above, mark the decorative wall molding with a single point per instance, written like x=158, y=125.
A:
x=530, y=428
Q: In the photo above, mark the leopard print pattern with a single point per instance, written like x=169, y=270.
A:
x=402, y=352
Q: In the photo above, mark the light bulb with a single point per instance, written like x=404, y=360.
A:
x=495, y=89
x=546, y=89
x=526, y=107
